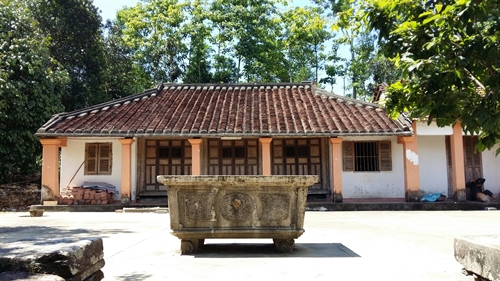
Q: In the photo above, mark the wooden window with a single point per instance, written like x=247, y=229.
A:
x=233, y=157
x=164, y=157
x=98, y=158
x=296, y=157
x=367, y=156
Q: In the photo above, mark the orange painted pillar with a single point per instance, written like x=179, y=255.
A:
x=126, y=185
x=457, y=163
x=411, y=168
x=266, y=155
x=195, y=156
x=336, y=170
x=50, y=168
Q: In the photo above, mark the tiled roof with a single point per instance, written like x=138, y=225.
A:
x=197, y=110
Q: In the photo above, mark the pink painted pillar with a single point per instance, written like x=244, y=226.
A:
x=336, y=170
x=266, y=155
x=195, y=156
x=50, y=168
x=126, y=180
x=457, y=163
x=411, y=168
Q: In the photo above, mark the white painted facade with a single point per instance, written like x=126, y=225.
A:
x=73, y=155
x=387, y=184
x=491, y=170
x=433, y=171
x=432, y=157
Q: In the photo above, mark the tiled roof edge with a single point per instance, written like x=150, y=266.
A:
x=60, y=116
x=122, y=135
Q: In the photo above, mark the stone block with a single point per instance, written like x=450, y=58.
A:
x=36, y=213
x=72, y=259
x=480, y=255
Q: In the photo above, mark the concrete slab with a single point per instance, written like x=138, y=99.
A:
x=377, y=245
x=479, y=254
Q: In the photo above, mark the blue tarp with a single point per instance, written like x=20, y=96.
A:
x=431, y=197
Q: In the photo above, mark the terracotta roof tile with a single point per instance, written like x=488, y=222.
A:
x=297, y=109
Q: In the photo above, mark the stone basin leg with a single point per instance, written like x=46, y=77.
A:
x=284, y=245
x=190, y=245
x=201, y=243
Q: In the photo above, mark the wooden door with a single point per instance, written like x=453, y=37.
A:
x=165, y=157
x=297, y=157
x=473, y=161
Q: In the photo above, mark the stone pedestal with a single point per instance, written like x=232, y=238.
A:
x=71, y=259
x=479, y=255
x=237, y=207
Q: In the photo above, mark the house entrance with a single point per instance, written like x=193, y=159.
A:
x=473, y=161
x=298, y=157
x=165, y=157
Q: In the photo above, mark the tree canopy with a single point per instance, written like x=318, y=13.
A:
x=31, y=86
x=225, y=41
x=449, y=54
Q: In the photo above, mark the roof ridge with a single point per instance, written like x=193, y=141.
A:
x=348, y=99
x=248, y=84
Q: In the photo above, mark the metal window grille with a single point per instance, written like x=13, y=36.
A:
x=366, y=156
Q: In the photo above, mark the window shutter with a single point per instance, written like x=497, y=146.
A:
x=385, y=159
x=90, y=159
x=105, y=159
x=348, y=155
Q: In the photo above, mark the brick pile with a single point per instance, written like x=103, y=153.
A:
x=85, y=196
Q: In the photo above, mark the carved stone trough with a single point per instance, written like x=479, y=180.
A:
x=204, y=207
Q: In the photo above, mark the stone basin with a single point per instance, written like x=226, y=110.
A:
x=204, y=207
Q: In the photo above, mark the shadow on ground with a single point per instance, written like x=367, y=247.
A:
x=16, y=233
x=132, y=276
x=302, y=250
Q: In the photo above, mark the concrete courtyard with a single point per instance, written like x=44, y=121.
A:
x=377, y=245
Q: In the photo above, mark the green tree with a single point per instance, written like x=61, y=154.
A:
x=247, y=31
x=366, y=67
x=153, y=29
x=448, y=52
x=198, y=67
x=73, y=30
x=305, y=35
x=31, y=86
x=121, y=76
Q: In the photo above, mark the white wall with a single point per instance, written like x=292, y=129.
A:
x=432, y=129
x=73, y=155
x=432, y=164
x=376, y=184
x=491, y=170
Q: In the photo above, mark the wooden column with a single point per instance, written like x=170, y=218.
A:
x=336, y=170
x=457, y=163
x=50, y=168
x=196, y=156
x=126, y=180
x=266, y=155
x=411, y=168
